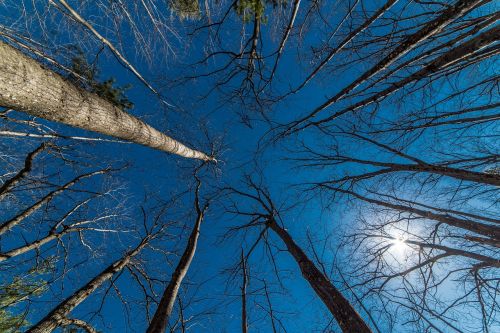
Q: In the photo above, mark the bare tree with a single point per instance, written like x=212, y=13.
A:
x=162, y=314
x=58, y=316
x=346, y=316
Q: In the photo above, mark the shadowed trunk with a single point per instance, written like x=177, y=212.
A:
x=491, y=231
x=244, y=321
x=28, y=87
x=346, y=316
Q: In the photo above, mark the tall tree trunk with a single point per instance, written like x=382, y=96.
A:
x=164, y=310
x=244, y=321
x=460, y=8
x=28, y=87
x=347, y=317
x=453, y=56
x=491, y=231
x=58, y=316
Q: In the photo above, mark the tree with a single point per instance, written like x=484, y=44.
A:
x=373, y=123
x=58, y=316
x=31, y=93
x=344, y=313
x=164, y=310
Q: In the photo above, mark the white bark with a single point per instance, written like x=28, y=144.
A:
x=28, y=87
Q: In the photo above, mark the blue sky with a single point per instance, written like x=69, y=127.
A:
x=150, y=171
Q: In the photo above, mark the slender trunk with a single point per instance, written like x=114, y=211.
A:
x=348, y=39
x=452, y=56
x=271, y=311
x=6, y=226
x=32, y=246
x=28, y=87
x=28, y=164
x=288, y=30
x=482, y=240
x=433, y=27
x=346, y=316
x=164, y=310
x=244, y=323
x=57, y=317
x=486, y=260
x=460, y=174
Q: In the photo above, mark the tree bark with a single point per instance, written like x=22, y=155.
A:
x=58, y=316
x=347, y=317
x=164, y=310
x=28, y=87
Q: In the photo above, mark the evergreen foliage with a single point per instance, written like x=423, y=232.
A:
x=14, y=292
x=105, y=89
x=247, y=9
x=186, y=9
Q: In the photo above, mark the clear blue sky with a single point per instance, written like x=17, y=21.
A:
x=150, y=171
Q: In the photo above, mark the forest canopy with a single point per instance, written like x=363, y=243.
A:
x=249, y=165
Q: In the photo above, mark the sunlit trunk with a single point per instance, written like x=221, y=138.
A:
x=28, y=87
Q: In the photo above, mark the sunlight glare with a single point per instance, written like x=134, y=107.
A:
x=399, y=244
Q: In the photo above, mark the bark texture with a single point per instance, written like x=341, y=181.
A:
x=28, y=87
x=160, y=319
x=347, y=317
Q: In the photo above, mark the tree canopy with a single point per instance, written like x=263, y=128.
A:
x=249, y=165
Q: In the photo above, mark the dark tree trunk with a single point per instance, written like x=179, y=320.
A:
x=347, y=317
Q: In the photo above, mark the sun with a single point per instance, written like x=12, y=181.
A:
x=399, y=244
